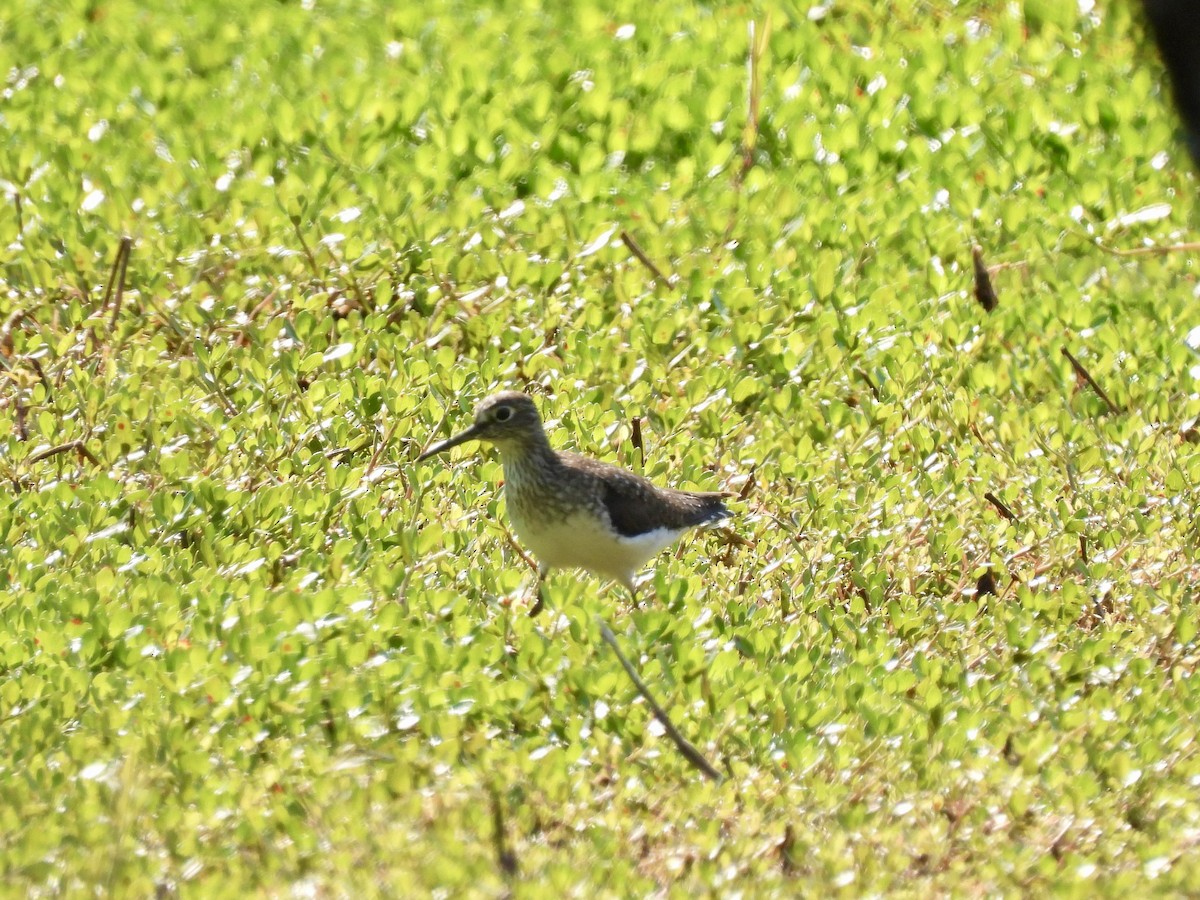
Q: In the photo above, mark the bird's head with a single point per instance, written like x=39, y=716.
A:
x=508, y=419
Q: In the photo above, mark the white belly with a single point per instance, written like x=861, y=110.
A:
x=581, y=542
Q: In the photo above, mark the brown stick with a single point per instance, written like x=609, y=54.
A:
x=122, y=260
x=75, y=445
x=628, y=240
x=635, y=438
x=525, y=557
x=862, y=373
x=37, y=367
x=11, y=322
x=262, y=304
x=690, y=753
x=505, y=857
x=758, y=46
x=112, y=279
x=338, y=453
x=754, y=55
x=308, y=254
x=1156, y=250
x=748, y=486
x=1005, y=266
x=985, y=293
x=19, y=426
x=387, y=439
x=1000, y=507
x=1087, y=376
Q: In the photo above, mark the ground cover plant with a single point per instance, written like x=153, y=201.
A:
x=248, y=645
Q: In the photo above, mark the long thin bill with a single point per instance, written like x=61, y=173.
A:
x=460, y=438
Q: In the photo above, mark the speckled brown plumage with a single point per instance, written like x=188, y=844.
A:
x=636, y=505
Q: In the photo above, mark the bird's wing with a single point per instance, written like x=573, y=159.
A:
x=636, y=506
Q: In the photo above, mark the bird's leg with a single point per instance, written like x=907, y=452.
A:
x=540, y=568
x=631, y=585
x=539, y=597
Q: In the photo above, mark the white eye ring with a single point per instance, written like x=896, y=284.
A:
x=503, y=414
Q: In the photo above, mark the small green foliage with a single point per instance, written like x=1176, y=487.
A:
x=248, y=646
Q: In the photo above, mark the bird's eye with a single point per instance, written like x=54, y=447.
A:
x=503, y=414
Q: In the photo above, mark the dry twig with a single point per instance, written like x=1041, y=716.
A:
x=985, y=293
x=505, y=857
x=76, y=445
x=635, y=438
x=1087, y=376
x=1155, y=250
x=1000, y=507
x=120, y=264
x=690, y=753
x=634, y=248
x=758, y=48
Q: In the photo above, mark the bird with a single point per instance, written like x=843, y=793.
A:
x=574, y=512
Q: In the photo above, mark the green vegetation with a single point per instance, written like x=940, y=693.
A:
x=246, y=645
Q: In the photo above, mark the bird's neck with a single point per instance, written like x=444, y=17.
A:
x=527, y=459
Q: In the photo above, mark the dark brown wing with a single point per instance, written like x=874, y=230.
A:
x=636, y=505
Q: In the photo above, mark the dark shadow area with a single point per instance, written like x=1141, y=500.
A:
x=1176, y=28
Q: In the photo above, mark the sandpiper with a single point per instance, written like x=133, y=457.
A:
x=579, y=513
